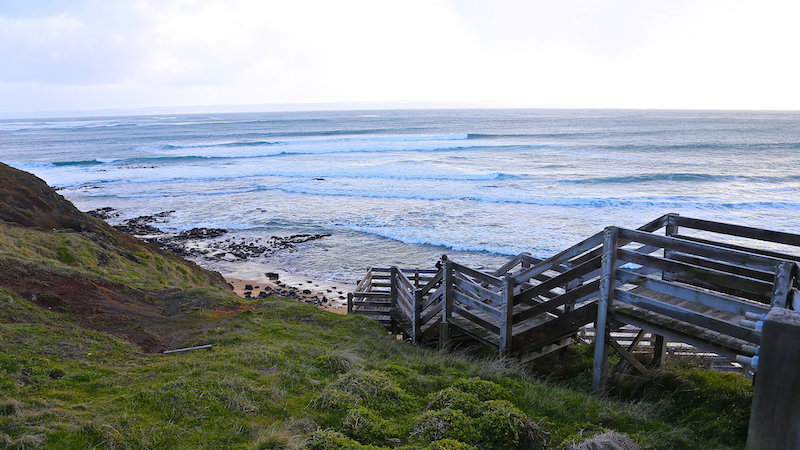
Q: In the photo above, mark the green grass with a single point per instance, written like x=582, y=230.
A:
x=286, y=375
x=98, y=256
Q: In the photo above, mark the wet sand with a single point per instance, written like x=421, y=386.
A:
x=328, y=295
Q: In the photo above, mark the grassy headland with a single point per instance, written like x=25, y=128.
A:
x=84, y=308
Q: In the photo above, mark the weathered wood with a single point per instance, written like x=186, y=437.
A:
x=432, y=283
x=431, y=313
x=447, y=304
x=740, y=258
x=659, y=351
x=436, y=297
x=404, y=282
x=775, y=414
x=656, y=224
x=739, y=231
x=571, y=296
x=560, y=258
x=607, y=288
x=431, y=332
x=719, y=281
x=782, y=286
x=349, y=303
x=636, y=340
x=692, y=317
x=186, y=349
x=741, y=248
x=689, y=334
x=507, y=316
x=359, y=304
x=476, y=290
x=476, y=304
x=489, y=326
x=362, y=285
x=508, y=266
x=628, y=357
x=393, y=297
x=417, y=322
x=480, y=334
x=721, y=266
x=555, y=329
x=702, y=297
x=375, y=294
x=479, y=276
x=557, y=281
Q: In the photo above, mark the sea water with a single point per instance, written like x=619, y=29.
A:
x=403, y=187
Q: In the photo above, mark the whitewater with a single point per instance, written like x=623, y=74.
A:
x=403, y=187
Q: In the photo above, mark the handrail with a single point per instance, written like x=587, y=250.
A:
x=759, y=234
x=759, y=262
x=560, y=258
x=436, y=279
x=483, y=277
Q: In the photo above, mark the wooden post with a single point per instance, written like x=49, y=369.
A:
x=416, y=278
x=659, y=342
x=393, y=298
x=349, y=303
x=782, y=285
x=670, y=230
x=507, y=316
x=775, y=415
x=447, y=306
x=659, y=351
x=607, y=279
x=417, y=321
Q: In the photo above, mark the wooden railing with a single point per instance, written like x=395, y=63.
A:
x=693, y=289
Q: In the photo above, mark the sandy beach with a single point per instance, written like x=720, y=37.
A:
x=328, y=295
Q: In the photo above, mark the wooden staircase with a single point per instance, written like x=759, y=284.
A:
x=690, y=284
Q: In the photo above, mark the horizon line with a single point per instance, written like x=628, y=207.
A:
x=329, y=106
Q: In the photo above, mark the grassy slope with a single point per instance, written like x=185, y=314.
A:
x=281, y=369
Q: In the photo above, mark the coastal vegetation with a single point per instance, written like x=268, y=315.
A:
x=85, y=312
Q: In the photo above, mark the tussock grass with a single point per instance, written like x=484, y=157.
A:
x=284, y=375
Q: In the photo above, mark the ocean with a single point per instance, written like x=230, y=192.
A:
x=403, y=187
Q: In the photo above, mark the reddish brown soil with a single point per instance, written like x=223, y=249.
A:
x=27, y=201
x=102, y=306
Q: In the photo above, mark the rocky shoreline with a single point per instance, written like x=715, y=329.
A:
x=195, y=242
x=207, y=244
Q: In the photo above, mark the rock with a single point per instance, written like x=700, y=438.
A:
x=306, y=291
x=248, y=287
x=201, y=233
x=271, y=275
x=103, y=213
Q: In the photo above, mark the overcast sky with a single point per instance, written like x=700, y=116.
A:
x=85, y=54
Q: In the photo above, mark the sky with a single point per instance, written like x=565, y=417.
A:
x=70, y=55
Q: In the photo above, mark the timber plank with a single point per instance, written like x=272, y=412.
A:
x=736, y=257
x=701, y=276
x=475, y=318
x=688, y=316
x=552, y=330
x=476, y=304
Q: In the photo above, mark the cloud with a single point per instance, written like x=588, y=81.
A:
x=98, y=45
x=578, y=53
